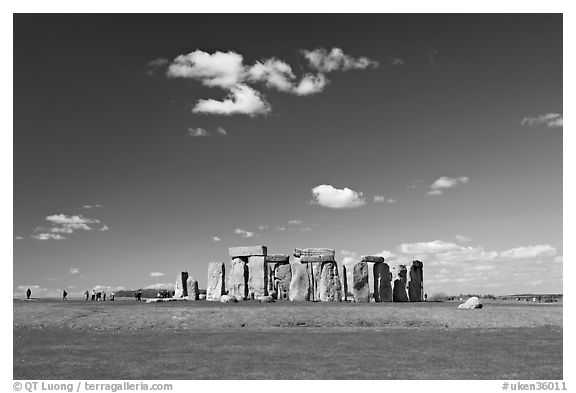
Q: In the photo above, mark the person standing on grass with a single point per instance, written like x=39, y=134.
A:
x=112, y=296
x=425, y=296
x=87, y=295
x=103, y=296
x=93, y=295
x=139, y=295
x=64, y=294
x=28, y=293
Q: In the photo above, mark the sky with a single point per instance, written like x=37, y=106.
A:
x=145, y=145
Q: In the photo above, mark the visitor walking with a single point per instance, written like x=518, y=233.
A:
x=112, y=296
x=87, y=295
x=28, y=293
x=93, y=295
x=139, y=295
x=64, y=294
x=103, y=296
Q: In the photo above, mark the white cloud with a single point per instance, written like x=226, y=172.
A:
x=463, y=239
x=325, y=61
x=295, y=222
x=92, y=206
x=198, y=131
x=335, y=198
x=262, y=227
x=243, y=233
x=310, y=84
x=275, y=73
x=529, y=252
x=68, y=224
x=432, y=247
x=104, y=228
x=445, y=182
x=279, y=228
x=550, y=120
x=47, y=236
x=221, y=131
x=222, y=69
x=18, y=238
x=559, y=259
x=216, y=239
x=161, y=285
x=156, y=274
x=242, y=99
x=382, y=199
x=74, y=270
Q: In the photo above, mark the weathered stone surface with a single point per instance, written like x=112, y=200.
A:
x=257, y=277
x=300, y=284
x=247, y=251
x=265, y=299
x=180, y=287
x=382, y=282
x=202, y=297
x=215, y=287
x=371, y=258
x=471, y=303
x=278, y=258
x=344, y=279
x=399, y=290
x=228, y=299
x=360, y=286
x=329, y=285
x=192, y=287
x=317, y=258
x=299, y=252
x=416, y=282
x=282, y=279
x=238, y=279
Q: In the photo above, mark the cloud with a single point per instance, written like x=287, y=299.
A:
x=310, y=84
x=463, y=239
x=156, y=64
x=156, y=274
x=18, y=238
x=68, y=224
x=396, y=61
x=335, y=59
x=161, y=285
x=104, y=228
x=382, y=199
x=221, y=131
x=334, y=198
x=194, y=132
x=74, y=270
x=47, y=236
x=242, y=99
x=216, y=239
x=432, y=247
x=221, y=69
x=91, y=206
x=262, y=227
x=279, y=228
x=541, y=250
x=243, y=233
x=550, y=120
x=295, y=222
x=445, y=182
x=274, y=73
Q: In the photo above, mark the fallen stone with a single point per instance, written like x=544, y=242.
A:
x=300, y=283
x=278, y=258
x=192, y=287
x=416, y=281
x=238, y=279
x=471, y=303
x=265, y=299
x=227, y=299
x=215, y=286
x=382, y=283
x=299, y=252
x=154, y=300
x=317, y=258
x=247, y=251
x=399, y=290
x=329, y=286
x=257, y=277
x=360, y=286
x=370, y=258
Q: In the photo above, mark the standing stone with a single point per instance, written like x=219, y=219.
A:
x=360, y=286
x=274, y=261
x=329, y=286
x=382, y=282
x=215, y=287
x=238, y=279
x=314, y=258
x=415, y=283
x=300, y=283
x=344, y=279
x=180, y=287
x=192, y=286
x=257, y=277
x=399, y=292
x=283, y=277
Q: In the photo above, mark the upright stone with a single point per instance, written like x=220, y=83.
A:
x=382, y=282
x=300, y=283
x=360, y=286
x=416, y=281
x=257, y=277
x=399, y=292
x=238, y=279
x=329, y=286
x=180, y=287
x=344, y=279
x=215, y=287
x=274, y=261
x=282, y=278
x=192, y=287
x=314, y=257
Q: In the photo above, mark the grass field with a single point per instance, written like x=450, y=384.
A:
x=285, y=340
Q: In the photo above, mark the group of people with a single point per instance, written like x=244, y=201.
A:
x=97, y=296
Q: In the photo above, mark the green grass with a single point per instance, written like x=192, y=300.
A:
x=284, y=340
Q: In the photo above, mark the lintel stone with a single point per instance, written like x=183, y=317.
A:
x=317, y=258
x=247, y=251
x=299, y=252
x=371, y=258
x=277, y=258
